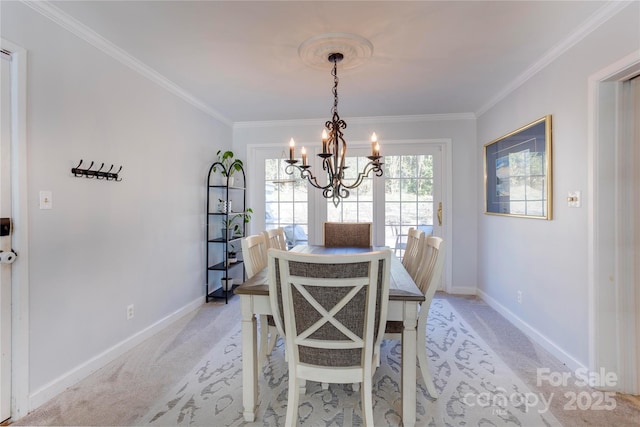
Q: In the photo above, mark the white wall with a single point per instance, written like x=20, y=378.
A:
x=547, y=260
x=459, y=128
x=105, y=245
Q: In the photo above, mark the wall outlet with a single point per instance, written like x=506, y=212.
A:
x=130, y=312
x=519, y=297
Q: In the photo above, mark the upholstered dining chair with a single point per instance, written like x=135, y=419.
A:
x=412, y=254
x=254, y=253
x=357, y=234
x=429, y=273
x=276, y=238
x=333, y=309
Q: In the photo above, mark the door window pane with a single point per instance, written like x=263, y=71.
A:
x=286, y=202
x=409, y=197
x=358, y=207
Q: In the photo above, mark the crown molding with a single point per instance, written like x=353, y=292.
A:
x=598, y=18
x=74, y=26
x=358, y=120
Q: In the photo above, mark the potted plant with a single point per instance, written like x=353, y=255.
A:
x=227, y=283
x=229, y=165
x=232, y=255
x=231, y=227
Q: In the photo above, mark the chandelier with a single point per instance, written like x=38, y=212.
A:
x=334, y=151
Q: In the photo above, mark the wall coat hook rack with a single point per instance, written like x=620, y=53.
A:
x=99, y=173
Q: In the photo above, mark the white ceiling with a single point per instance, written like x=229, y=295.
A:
x=240, y=58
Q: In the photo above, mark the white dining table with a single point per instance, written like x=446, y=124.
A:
x=404, y=299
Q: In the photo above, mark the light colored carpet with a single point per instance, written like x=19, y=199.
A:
x=134, y=388
x=475, y=387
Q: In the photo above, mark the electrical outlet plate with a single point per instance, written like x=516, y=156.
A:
x=130, y=312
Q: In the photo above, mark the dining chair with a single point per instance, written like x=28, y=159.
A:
x=401, y=239
x=276, y=238
x=357, y=234
x=334, y=310
x=412, y=254
x=431, y=266
x=254, y=253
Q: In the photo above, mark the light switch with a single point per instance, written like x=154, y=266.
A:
x=46, y=200
x=573, y=199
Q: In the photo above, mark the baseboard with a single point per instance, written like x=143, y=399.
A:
x=462, y=290
x=65, y=381
x=532, y=332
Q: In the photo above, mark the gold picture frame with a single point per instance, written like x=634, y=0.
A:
x=517, y=172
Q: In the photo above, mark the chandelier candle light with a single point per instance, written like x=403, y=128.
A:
x=334, y=151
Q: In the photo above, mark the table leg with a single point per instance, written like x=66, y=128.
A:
x=409, y=337
x=249, y=359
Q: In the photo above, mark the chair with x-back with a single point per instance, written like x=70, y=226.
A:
x=428, y=277
x=333, y=309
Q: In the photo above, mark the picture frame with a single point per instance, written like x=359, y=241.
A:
x=517, y=172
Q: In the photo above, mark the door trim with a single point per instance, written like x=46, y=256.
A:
x=20, y=238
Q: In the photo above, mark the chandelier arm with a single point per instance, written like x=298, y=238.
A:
x=375, y=167
x=305, y=173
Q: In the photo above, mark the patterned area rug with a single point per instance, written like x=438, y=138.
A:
x=475, y=387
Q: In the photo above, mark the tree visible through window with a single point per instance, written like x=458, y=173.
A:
x=286, y=202
x=408, y=195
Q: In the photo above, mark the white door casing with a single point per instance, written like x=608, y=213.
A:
x=5, y=241
x=19, y=394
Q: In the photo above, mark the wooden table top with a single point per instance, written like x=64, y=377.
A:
x=401, y=285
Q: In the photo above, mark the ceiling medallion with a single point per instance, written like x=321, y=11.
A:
x=355, y=49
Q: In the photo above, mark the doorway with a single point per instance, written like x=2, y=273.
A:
x=15, y=330
x=614, y=230
x=5, y=240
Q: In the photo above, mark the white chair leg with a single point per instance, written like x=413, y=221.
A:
x=273, y=338
x=264, y=338
x=424, y=365
x=367, y=401
x=292, y=402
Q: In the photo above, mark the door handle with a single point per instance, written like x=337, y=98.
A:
x=7, y=257
x=440, y=214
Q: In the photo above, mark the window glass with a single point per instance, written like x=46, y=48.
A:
x=286, y=202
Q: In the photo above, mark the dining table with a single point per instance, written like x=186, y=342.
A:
x=404, y=300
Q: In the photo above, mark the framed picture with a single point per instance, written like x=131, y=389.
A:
x=517, y=172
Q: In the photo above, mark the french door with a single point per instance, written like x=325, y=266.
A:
x=409, y=194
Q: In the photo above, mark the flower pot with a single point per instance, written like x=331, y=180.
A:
x=230, y=181
x=228, y=233
x=227, y=283
x=232, y=259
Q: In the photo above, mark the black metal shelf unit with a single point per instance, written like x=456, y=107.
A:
x=221, y=215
